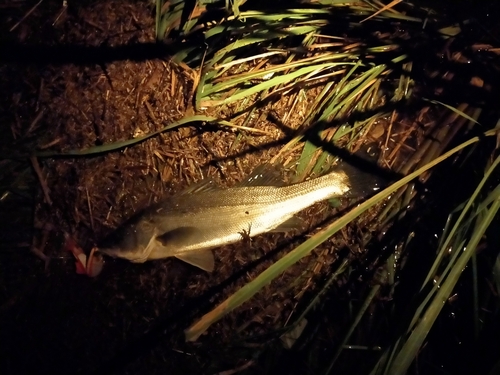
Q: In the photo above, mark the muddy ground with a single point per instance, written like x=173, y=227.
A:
x=90, y=74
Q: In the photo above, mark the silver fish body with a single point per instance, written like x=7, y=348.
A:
x=188, y=224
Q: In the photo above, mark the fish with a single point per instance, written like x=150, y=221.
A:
x=189, y=224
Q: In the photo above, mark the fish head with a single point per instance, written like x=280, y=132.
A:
x=131, y=242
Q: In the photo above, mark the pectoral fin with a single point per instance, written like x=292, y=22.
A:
x=203, y=259
x=178, y=237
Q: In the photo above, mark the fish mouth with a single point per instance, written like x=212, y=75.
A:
x=114, y=253
x=135, y=256
x=118, y=253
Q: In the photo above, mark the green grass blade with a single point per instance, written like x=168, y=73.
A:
x=368, y=300
x=250, y=289
x=411, y=347
x=275, y=81
x=252, y=75
x=130, y=142
x=453, y=109
x=459, y=221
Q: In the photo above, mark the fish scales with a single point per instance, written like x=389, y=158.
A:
x=227, y=213
x=190, y=223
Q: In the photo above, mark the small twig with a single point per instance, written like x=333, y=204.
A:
x=391, y=159
x=64, y=7
x=389, y=131
x=90, y=210
x=25, y=16
x=150, y=111
x=295, y=100
x=39, y=254
x=35, y=122
x=41, y=179
x=173, y=83
x=251, y=130
x=291, y=314
x=39, y=98
x=93, y=24
x=39, y=250
x=387, y=7
x=237, y=369
x=50, y=144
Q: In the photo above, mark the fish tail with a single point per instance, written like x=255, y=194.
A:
x=362, y=183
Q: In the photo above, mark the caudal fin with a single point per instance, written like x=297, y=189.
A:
x=363, y=183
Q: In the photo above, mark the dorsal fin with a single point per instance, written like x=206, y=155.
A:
x=204, y=185
x=263, y=175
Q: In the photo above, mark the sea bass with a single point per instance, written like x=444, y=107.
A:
x=189, y=224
